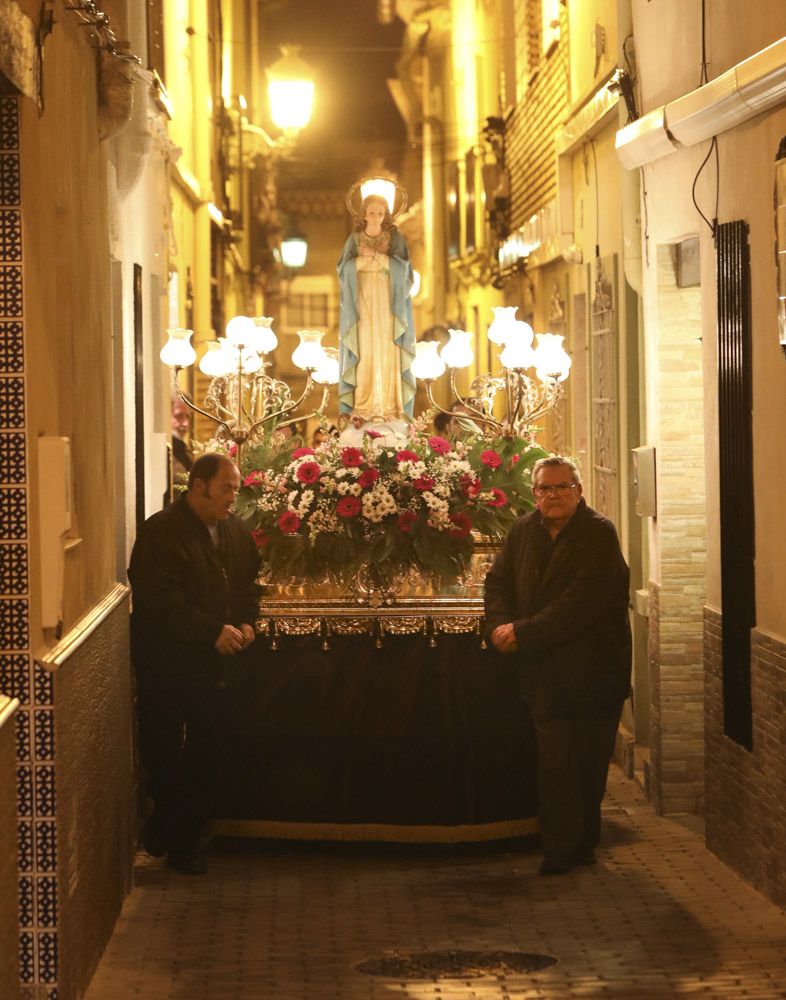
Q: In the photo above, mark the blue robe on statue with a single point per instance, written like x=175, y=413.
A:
x=401, y=277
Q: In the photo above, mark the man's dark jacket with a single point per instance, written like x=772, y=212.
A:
x=185, y=590
x=571, y=621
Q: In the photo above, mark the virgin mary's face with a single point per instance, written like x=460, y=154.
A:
x=375, y=216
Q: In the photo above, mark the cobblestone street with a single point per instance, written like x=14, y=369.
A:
x=657, y=917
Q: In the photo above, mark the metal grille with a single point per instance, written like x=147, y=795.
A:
x=603, y=361
x=735, y=432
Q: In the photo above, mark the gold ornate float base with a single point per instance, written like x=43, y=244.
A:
x=411, y=604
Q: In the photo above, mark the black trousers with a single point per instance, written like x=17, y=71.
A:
x=184, y=731
x=574, y=752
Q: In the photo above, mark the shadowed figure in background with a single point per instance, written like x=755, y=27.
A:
x=557, y=602
x=193, y=578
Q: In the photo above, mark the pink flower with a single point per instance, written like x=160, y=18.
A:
x=407, y=456
x=515, y=459
x=261, y=538
x=439, y=445
x=301, y=452
x=348, y=507
x=500, y=498
x=374, y=434
x=254, y=478
x=406, y=521
x=289, y=523
x=351, y=458
x=368, y=477
x=232, y=451
x=470, y=485
x=308, y=472
x=463, y=524
x=491, y=459
x=424, y=483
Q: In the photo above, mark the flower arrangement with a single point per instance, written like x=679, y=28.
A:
x=323, y=513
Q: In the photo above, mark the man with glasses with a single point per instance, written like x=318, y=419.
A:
x=557, y=601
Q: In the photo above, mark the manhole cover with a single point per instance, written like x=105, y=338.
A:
x=455, y=964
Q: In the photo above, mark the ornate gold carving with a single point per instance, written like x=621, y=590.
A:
x=456, y=624
x=298, y=626
x=404, y=625
x=351, y=626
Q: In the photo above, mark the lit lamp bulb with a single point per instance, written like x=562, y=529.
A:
x=177, y=352
x=263, y=340
x=309, y=354
x=240, y=331
x=290, y=89
x=416, y=282
x=215, y=361
x=327, y=373
x=427, y=364
x=383, y=187
x=552, y=362
x=518, y=351
x=457, y=353
x=504, y=318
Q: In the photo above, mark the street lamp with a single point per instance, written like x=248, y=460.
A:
x=290, y=89
x=294, y=250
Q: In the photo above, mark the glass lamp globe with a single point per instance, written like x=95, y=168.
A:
x=240, y=331
x=290, y=89
x=215, y=361
x=294, y=251
x=457, y=353
x=427, y=364
x=309, y=353
x=552, y=362
x=504, y=318
x=327, y=373
x=263, y=340
x=518, y=351
x=177, y=352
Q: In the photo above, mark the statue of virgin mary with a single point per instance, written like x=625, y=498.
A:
x=376, y=329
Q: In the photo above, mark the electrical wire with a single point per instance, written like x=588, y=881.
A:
x=712, y=225
x=597, y=199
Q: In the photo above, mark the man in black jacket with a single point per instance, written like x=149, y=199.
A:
x=557, y=599
x=193, y=571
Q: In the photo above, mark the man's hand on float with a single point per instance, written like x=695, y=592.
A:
x=231, y=640
x=248, y=634
x=504, y=638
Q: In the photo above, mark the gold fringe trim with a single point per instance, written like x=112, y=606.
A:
x=387, y=832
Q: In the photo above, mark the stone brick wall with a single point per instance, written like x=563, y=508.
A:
x=746, y=790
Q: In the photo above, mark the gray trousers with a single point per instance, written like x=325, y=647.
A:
x=574, y=752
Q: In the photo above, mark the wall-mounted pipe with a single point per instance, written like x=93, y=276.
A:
x=741, y=93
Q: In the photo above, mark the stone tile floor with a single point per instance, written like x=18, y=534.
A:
x=658, y=917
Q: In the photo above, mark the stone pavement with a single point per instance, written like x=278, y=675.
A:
x=657, y=917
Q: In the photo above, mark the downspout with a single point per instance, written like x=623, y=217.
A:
x=201, y=124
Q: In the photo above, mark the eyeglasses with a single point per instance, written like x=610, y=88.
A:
x=561, y=489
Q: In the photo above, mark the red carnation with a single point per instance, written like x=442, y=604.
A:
x=368, y=477
x=470, y=485
x=424, y=483
x=500, y=498
x=301, y=452
x=406, y=521
x=515, y=459
x=351, y=458
x=374, y=434
x=407, y=456
x=348, y=507
x=289, y=523
x=463, y=523
x=439, y=445
x=254, y=478
x=491, y=459
x=261, y=538
x=308, y=472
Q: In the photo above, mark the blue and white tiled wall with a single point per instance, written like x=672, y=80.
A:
x=19, y=677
